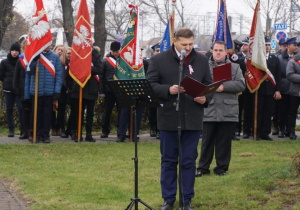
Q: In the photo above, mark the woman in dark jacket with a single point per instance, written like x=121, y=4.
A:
x=64, y=94
x=89, y=96
x=7, y=69
x=18, y=88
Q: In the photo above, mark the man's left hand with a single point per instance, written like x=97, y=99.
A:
x=220, y=88
x=200, y=100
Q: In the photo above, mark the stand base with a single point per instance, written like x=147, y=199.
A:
x=135, y=201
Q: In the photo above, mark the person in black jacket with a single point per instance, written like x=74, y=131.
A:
x=7, y=70
x=18, y=87
x=64, y=94
x=106, y=74
x=284, y=102
x=267, y=92
x=89, y=96
x=163, y=76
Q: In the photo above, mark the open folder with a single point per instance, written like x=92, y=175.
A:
x=222, y=72
x=195, y=88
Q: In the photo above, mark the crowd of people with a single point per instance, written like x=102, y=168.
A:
x=218, y=118
x=276, y=103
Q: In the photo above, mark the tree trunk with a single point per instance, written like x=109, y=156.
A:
x=100, y=34
x=67, y=11
x=5, y=16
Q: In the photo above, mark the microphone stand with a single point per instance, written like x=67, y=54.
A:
x=181, y=197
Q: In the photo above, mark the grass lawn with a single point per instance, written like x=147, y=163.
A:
x=262, y=175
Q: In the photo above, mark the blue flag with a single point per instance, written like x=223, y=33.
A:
x=166, y=41
x=222, y=32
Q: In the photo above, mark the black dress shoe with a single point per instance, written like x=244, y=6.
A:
x=104, y=135
x=167, y=206
x=280, y=134
x=234, y=137
x=188, y=206
x=63, y=134
x=267, y=138
x=11, y=132
x=152, y=133
x=201, y=173
x=275, y=132
x=121, y=139
x=90, y=138
x=46, y=140
x=245, y=136
x=223, y=173
x=24, y=135
x=293, y=136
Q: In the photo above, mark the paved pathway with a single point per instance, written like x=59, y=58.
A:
x=8, y=200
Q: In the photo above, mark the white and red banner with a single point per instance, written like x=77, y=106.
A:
x=39, y=35
x=256, y=63
x=81, y=56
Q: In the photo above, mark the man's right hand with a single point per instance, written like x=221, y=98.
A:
x=174, y=90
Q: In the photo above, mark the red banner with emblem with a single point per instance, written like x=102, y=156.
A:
x=81, y=55
x=257, y=70
x=39, y=35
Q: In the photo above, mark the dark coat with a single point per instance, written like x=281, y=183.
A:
x=266, y=88
x=7, y=70
x=107, y=73
x=162, y=74
x=285, y=84
x=91, y=88
x=19, y=79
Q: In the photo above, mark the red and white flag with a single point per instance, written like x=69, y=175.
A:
x=81, y=55
x=257, y=70
x=39, y=35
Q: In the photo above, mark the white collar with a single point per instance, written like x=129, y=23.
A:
x=178, y=53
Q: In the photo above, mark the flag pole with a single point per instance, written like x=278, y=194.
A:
x=35, y=100
x=255, y=115
x=79, y=114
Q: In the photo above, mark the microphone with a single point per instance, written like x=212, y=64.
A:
x=182, y=54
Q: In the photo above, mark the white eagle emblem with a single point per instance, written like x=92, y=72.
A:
x=81, y=38
x=39, y=27
x=129, y=56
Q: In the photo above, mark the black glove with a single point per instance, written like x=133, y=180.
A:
x=37, y=57
x=56, y=96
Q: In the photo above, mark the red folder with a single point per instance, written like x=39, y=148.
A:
x=195, y=88
x=222, y=72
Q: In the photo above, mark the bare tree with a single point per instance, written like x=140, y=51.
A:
x=68, y=21
x=275, y=11
x=6, y=16
x=99, y=24
x=117, y=17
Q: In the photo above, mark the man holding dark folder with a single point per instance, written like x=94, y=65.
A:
x=163, y=74
x=221, y=115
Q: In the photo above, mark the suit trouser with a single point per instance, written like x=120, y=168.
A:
x=248, y=112
x=109, y=103
x=124, y=121
x=89, y=105
x=216, y=135
x=10, y=100
x=265, y=106
x=284, y=104
x=169, y=162
x=44, y=112
x=293, y=109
